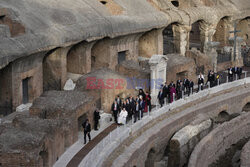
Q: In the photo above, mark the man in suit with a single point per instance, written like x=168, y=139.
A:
x=191, y=87
x=142, y=106
x=165, y=91
x=239, y=72
x=115, y=109
x=186, y=84
x=136, y=111
x=161, y=97
x=96, y=119
x=86, y=129
x=119, y=101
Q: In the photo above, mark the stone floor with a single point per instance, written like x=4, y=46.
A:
x=78, y=150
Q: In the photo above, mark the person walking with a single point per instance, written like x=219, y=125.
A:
x=86, y=129
x=96, y=119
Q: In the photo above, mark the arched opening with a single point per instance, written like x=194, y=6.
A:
x=222, y=35
x=171, y=39
x=195, y=36
x=246, y=108
x=44, y=156
x=244, y=27
x=150, y=158
x=175, y=3
x=6, y=91
x=222, y=32
x=149, y=43
x=54, y=66
x=100, y=54
x=103, y=2
x=77, y=59
x=223, y=116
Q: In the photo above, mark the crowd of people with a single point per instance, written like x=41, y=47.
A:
x=125, y=110
x=234, y=71
x=168, y=93
x=171, y=92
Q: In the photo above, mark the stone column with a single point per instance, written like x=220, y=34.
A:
x=181, y=38
x=206, y=34
x=212, y=53
x=158, y=67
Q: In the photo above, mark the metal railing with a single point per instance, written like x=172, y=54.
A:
x=106, y=146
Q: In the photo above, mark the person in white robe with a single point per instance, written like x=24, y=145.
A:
x=122, y=117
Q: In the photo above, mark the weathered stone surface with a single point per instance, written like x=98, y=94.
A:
x=245, y=155
x=23, y=141
x=184, y=141
x=220, y=139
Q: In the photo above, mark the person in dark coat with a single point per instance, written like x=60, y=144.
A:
x=119, y=101
x=86, y=129
x=136, y=111
x=191, y=87
x=186, y=84
x=165, y=91
x=96, y=118
x=128, y=109
x=148, y=102
x=142, y=106
x=161, y=97
x=239, y=72
x=141, y=93
x=115, y=109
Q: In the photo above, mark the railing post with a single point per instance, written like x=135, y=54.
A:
x=191, y=91
x=245, y=74
x=173, y=97
x=182, y=94
x=199, y=87
x=148, y=110
x=208, y=85
x=236, y=77
x=227, y=79
x=218, y=82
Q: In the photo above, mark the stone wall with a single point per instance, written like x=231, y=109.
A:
x=29, y=67
x=245, y=155
x=5, y=91
x=219, y=140
x=155, y=132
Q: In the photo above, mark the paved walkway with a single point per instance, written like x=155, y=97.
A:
x=76, y=160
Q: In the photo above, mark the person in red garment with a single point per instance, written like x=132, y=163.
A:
x=147, y=102
x=172, y=93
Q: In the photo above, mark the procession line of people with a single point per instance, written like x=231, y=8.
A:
x=124, y=110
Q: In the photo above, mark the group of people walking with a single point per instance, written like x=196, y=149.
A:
x=125, y=110
x=168, y=93
x=234, y=71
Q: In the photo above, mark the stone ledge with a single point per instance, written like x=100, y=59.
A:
x=220, y=139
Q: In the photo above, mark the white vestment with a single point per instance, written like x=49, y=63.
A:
x=122, y=117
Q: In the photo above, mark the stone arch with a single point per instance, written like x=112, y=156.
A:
x=171, y=39
x=55, y=69
x=44, y=158
x=79, y=58
x=151, y=43
x=222, y=31
x=245, y=103
x=150, y=158
x=244, y=26
x=195, y=36
x=100, y=54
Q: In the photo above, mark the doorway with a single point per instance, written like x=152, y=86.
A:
x=25, y=83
